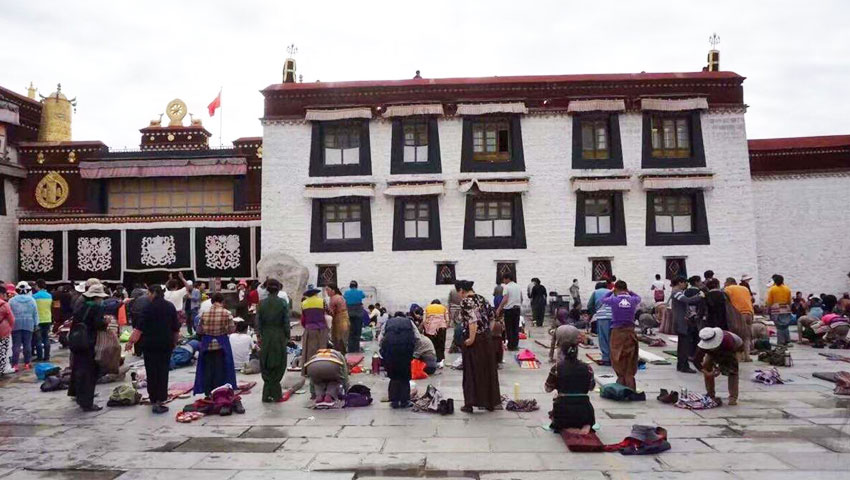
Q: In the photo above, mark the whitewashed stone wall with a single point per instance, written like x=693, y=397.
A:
x=9, y=233
x=802, y=233
x=549, y=208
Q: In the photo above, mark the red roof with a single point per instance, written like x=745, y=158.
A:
x=794, y=143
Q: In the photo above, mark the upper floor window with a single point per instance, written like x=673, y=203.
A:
x=672, y=140
x=340, y=148
x=493, y=218
x=494, y=221
x=600, y=219
x=596, y=141
x=676, y=217
x=597, y=215
x=341, y=225
x=492, y=144
x=415, y=141
x=415, y=145
x=673, y=213
x=417, y=223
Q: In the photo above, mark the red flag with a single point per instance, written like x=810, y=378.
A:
x=214, y=104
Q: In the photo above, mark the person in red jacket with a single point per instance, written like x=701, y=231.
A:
x=7, y=323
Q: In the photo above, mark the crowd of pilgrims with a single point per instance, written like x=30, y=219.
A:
x=716, y=328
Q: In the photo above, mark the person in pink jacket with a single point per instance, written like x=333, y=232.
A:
x=7, y=323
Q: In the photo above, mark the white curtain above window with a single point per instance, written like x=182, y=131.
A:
x=703, y=182
x=494, y=186
x=674, y=105
x=413, y=189
x=597, y=105
x=599, y=184
x=336, y=191
x=338, y=114
x=411, y=110
x=485, y=108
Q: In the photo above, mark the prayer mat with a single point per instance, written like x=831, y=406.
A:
x=577, y=442
x=835, y=357
x=672, y=338
x=652, y=358
x=652, y=341
x=354, y=359
x=595, y=357
x=672, y=353
x=175, y=391
x=244, y=388
x=828, y=376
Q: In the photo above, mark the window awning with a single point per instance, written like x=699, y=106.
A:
x=338, y=114
x=601, y=184
x=414, y=189
x=339, y=190
x=190, y=167
x=674, y=105
x=665, y=182
x=596, y=105
x=410, y=110
x=485, y=108
x=517, y=185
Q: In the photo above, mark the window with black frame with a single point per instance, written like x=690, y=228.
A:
x=417, y=223
x=445, y=274
x=596, y=141
x=672, y=140
x=494, y=221
x=601, y=269
x=492, y=143
x=415, y=140
x=675, y=267
x=676, y=217
x=600, y=219
x=341, y=142
x=491, y=140
x=341, y=225
x=340, y=148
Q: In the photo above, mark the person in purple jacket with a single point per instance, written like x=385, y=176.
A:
x=624, y=342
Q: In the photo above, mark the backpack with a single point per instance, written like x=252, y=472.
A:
x=358, y=396
x=658, y=295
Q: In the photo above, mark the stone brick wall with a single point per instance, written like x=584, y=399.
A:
x=9, y=234
x=549, y=207
x=801, y=230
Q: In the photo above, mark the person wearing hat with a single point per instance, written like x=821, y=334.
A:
x=573, y=379
x=25, y=312
x=740, y=316
x=354, y=302
x=84, y=369
x=717, y=354
x=480, y=371
x=316, y=331
x=273, y=330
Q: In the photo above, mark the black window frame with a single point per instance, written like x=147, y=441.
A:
x=397, y=164
x=433, y=242
x=444, y=281
x=503, y=268
x=618, y=221
x=615, y=148
x=317, y=152
x=515, y=241
x=697, y=157
x=609, y=266
x=318, y=242
x=320, y=269
x=670, y=260
x=516, y=161
x=3, y=207
x=699, y=235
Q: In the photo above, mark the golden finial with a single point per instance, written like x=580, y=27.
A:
x=31, y=91
x=714, y=40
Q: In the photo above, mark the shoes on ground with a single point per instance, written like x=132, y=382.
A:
x=732, y=401
x=687, y=370
x=93, y=408
x=159, y=408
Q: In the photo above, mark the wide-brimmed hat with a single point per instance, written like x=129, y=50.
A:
x=710, y=338
x=23, y=287
x=746, y=278
x=311, y=290
x=567, y=335
x=95, y=290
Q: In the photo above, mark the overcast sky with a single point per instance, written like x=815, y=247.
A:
x=125, y=60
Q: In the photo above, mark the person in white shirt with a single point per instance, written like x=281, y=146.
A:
x=175, y=294
x=510, y=306
x=241, y=343
x=658, y=289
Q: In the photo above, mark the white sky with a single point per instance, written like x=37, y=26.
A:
x=125, y=60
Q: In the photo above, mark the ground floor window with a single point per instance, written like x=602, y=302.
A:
x=601, y=269
x=446, y=274
x=505, y=268
x=675, y=267
x=326, y=275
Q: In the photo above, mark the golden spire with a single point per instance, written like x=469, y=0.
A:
x=31, y=91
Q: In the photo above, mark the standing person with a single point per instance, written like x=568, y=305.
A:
x=397, y=346
x=88, y=320
x=657, y=288
x=741, y=321
x=510, y=308
x=538, y=301
x=715, y=304
x=454, y=304
x=683, y=322
x=575, y=293
x=315, y=335
x=175, y=293
x=573, y=379
x=778, y=304
x=273, y=329
x=215, y=356
x=7, y=323
x=354, y=301
x=719, y=349
x=156, y=329
x=140, y=298
x=192, y=305
x=498, y=294
x=44, y=304
x=624, y=342
x=340, y=319
x=25, y=312
x=602, y=319
x=435, y=324
x=480, y=371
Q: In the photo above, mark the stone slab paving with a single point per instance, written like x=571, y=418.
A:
x=798, y=430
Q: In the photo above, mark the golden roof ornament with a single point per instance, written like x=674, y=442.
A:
x=31, y=91
x=176, y=111
x=195, y=122
x=56, y=117
x=156, y=122
x=52, y=191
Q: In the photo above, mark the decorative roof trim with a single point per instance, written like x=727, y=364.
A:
x=674, y=105
x=800, y=174
x=485, y=108
x=339, y=190
x=89, y=222
x=410, y=110
x=401, y=189
x=597, y=105
x=665, y=182
x=193, y=167
x=337, y=114
x=601, y=184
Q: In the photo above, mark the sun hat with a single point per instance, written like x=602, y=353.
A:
x=23, y=287
x=567, y=335
x=710, y=338
x=746, y=277
x=311, y=290
x=189, y=283
x=95, y=290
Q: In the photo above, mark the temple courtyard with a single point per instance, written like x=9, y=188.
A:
x=796, y=430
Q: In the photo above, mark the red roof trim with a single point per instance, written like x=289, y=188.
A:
x=792, y=143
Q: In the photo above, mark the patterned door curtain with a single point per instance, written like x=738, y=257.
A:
x=94, y=254
x=165, y=249
x=40, y=256
x=223, y=252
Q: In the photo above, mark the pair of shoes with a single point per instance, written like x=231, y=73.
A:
x=446, y=407
x=687, y=370
x=466, y=409
x=732, y=401
x=668, y=397
x=159, y=408
x=93, y=408
x=408, y=404
x=393, y=405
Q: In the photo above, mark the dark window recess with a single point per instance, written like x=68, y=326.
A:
x=326, y=275
x=601, y=270
x=341, y=225
x=676, y=217
x=415, y=146
x=494, y=221
x=672, y=140
x=505, y=268
x=492, y=144
x=416, y=224
x=340, y=148
x=675, y=267
x=596, y=141
x=600, y=219
x=446, y=274
x=2, y=196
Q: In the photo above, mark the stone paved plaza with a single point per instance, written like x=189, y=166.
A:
x=798, y=430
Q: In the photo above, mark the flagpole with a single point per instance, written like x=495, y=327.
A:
x=220, y=119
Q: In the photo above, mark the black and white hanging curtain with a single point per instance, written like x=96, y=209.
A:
x=223, y=252
x=94, y=254
x=40, y=256
x=156, y=250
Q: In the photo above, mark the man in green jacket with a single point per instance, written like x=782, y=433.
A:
x=44, y=304
x=273, y=331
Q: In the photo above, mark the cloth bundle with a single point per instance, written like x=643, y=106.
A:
x=644, y=440
x=433, y=402
x=768, y=377
x=124, y=396
x=621, y=393
x=695, y=401
x=358, y=396
x=223, y=401
x=521, y=405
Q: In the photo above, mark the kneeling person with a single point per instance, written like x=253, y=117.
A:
x=572, y=378
x=328, y=373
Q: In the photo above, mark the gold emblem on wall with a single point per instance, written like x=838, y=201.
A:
x=52, y=191
x=175, y=110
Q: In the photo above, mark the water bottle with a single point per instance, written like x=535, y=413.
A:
x=516, y=392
